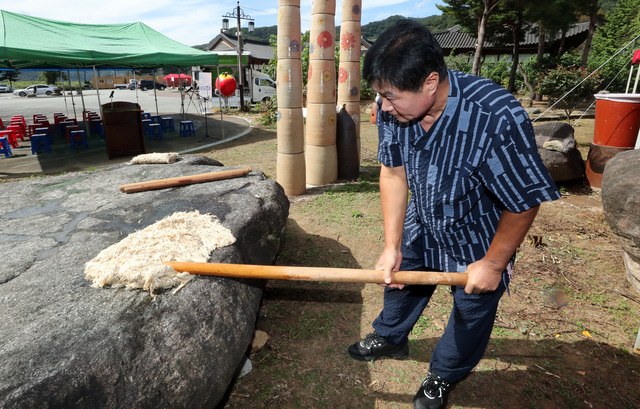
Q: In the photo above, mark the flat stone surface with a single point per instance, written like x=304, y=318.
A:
x=65, y=344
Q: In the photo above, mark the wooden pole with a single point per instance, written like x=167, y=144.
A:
x=336, y=275
x=183, y=180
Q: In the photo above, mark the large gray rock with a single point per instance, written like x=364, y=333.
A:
x=64, y=344
x=621, y=205
x=559, y=152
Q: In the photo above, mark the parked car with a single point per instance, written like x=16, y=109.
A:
x=5, y=88
x=149, y=84
x=133, y=85
x=39, y=89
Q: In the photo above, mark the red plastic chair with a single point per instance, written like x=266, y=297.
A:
x=13, y=131
x=70, y=128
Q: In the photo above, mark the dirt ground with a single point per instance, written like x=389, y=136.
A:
x=563, y=337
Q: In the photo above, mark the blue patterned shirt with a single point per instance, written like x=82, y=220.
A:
x=478, y=158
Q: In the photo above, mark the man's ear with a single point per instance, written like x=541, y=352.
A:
x=431, y=82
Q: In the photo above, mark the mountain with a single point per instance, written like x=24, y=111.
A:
x=371, y=30
x=435, y=23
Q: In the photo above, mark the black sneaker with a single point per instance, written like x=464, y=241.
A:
x=373, y=346
x=433, y=393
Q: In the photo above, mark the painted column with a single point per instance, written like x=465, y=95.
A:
x=349, y=70
x=290, y=169
x=321, y=153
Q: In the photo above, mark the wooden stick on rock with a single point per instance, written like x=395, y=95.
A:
x=183, y=180
x=346, y=275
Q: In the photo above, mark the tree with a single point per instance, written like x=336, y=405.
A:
x=11, y=76
x=465, y=11
x=592, y=12
x=508, y=26
x=49, y=77
x=621, y=29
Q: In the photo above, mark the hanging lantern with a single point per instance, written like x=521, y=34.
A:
x=226, y=84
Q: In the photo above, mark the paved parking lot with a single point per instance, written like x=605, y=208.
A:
x=168, y=102
x=62, y=158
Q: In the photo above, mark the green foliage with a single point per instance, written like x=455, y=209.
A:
x=435, y=23
x=269, y=111
x=374, y=29
x=622, y=26
x=50, y=77
x=459, y=62
x=11, y=76
x=366, y=92
x=271, y=68
x=556, y=83
x=497, y=71
x=464, y=12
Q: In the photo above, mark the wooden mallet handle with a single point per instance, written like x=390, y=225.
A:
x=183, y=180
x=336, y=275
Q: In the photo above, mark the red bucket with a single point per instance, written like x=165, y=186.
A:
x=617, y=120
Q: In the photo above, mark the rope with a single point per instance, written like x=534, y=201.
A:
x=594, y=101
x=586, y=78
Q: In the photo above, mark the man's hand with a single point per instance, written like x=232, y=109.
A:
x=486, y=273
x=483, y=277
x=389, y=261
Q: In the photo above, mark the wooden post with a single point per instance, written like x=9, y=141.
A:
x=349, y=70
x=321, y=153
x=290, y=168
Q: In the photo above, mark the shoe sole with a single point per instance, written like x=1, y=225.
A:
x=369, y=358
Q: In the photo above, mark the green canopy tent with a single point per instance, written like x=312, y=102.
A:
x=32, y=42
x=36, y=43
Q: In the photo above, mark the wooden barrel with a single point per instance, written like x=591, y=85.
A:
x=289, y=43
x=322, y=37
x=320, y=128
x=289, y=83
x=290, y=130
x=290, y=173
x=351, y=10
x=321, y=164
x=321, y=83
x=323, y=6
x=350, y=34
x=348, y=82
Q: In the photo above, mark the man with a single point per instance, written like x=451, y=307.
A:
x=465, y=149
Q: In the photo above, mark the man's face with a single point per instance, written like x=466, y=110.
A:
x=407, y=105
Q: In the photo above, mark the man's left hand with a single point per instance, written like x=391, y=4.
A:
x=482, y=277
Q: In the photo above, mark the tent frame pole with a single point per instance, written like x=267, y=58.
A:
x=95, y=75
x=64, y=96
x=73, y=102
x=84, y=108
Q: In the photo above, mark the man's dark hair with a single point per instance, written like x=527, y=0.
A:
x=403, y=56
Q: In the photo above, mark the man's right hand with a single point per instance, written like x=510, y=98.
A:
x=389, y=261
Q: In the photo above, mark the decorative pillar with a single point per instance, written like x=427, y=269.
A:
x=349, y=70
x=321, y=153
x=290, y=168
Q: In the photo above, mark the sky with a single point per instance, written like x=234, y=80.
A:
x=194, y=22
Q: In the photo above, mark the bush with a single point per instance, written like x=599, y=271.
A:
x=460, y=62
x=269, y=111
x=569, y=86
